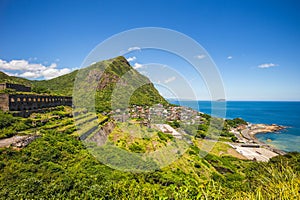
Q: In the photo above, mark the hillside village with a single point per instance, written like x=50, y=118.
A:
x=158, y=112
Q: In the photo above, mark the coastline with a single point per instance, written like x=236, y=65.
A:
x=251, y=147
x=264, y=128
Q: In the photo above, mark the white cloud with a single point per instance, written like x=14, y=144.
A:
x=173, y=78
x=267, y=65
x=29, y=75
x=229, y=57
x=134, y=48
x=131, y=59
x=200, y=57
x=25, y=69
x=52, y=73
x=137, y=65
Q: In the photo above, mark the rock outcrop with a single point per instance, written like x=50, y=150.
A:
x=100, y=137
x=24, y=141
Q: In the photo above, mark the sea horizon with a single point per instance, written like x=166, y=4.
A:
x=285, y=113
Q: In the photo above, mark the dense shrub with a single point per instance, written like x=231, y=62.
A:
x=6, y=119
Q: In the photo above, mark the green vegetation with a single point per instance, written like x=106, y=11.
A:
x=58, y=86
x=10, y=126
x=58, y=166
x=120, y=83
x=144, y=140
x=236, y=122
x=62, y=85
x=12, y=79
x=209, y=127
x=36, y=123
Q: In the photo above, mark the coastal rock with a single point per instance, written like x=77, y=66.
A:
x=264, y=128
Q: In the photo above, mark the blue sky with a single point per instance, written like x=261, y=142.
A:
x=255, y=44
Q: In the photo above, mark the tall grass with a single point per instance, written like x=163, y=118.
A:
x=279, y=181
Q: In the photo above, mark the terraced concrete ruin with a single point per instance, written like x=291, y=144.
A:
x=24, y=104
x=17, y=87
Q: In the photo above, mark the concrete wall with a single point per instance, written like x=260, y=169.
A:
x=17, y=87
x=2, y=86
x=21, y=102
x=4, y=104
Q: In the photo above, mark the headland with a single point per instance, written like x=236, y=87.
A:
x=250, y=147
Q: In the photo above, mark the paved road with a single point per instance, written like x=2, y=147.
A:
x=245, y=134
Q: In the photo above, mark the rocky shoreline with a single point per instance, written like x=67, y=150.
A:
x=249, y=146
x=264, y=128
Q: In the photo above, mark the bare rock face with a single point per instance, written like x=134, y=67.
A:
x=101, y=136
x=94, y=76
x=107, y=79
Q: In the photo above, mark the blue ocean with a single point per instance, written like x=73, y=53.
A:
x=281, y=113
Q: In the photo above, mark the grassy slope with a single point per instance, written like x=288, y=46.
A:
x=119, y=67
x=62, y=85
x=12, y=79
x=57, y=165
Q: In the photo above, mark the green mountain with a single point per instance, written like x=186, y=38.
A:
x=117, y=84
x=61, y=85
x=108, y=76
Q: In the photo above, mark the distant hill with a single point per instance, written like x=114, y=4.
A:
x=108, y=73
x=12, y=79
x=58, y=86
x=62, y=85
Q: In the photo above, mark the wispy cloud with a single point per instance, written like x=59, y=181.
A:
x=267, y=65
x=23, y=68
x=134, y=48
x=173, y=78
x=131, y=59
x=137, y=65
x=200, y=57
x=229, y=57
